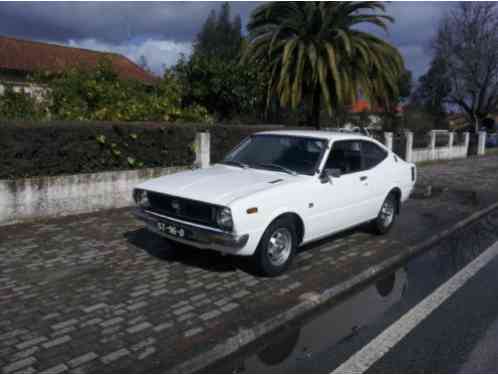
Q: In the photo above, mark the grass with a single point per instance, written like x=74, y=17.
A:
x=492, y=151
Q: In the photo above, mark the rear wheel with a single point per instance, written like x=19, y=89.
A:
x=276, y=247
x=387, y=215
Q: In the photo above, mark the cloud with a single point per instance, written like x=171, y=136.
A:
x=111, y=22
x=158, y=53
x=414, y=26
x=416, y=59
x=415, y=22
x=162, y=30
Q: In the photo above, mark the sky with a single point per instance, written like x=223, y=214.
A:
x=163, y=31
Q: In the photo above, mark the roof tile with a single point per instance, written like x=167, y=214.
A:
x=30, y=56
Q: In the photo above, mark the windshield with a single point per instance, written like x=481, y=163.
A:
x=278, y=152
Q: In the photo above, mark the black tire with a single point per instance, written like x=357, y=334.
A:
x=280, y=230
x=387, y=215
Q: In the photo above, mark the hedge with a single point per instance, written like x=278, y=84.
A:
x=62, y=148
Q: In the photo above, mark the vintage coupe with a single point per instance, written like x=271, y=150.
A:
x=276, y=191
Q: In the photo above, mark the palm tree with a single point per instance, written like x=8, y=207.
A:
x=315, y=53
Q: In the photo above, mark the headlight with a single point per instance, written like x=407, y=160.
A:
x=140, y=198
x=224, y=218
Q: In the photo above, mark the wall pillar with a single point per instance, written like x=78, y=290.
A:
x=466, y=142
x=432, y=145
x=409, y=146
x=481, y=143
x=388, y=140
x=202, y=150
x=451, y=137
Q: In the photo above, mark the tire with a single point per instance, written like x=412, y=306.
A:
x=387, y=215
x=276, y=248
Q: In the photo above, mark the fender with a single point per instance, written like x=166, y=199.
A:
x=286, y=210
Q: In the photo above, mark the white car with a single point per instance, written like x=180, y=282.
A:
x=276, y=191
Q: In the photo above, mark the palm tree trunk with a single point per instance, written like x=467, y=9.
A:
x=313, y=115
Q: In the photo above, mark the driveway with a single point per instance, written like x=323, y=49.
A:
x=97, y=293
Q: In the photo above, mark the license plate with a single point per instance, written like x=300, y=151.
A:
x=171, y=229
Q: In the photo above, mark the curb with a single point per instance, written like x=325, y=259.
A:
x=313, y=300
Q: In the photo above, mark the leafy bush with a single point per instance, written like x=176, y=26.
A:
x=226, y=88
x=54, y=148
x=19, y=105
x=99, y=95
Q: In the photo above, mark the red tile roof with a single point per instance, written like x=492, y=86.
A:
x=362, y=105
x=30, y=56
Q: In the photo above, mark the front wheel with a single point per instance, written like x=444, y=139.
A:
x=387, y=215
x=276, y=248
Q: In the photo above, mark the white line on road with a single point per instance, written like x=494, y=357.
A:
x=362, y=360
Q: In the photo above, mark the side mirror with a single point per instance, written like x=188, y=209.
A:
x=328, y=174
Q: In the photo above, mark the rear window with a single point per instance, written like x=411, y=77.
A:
x=372, y=154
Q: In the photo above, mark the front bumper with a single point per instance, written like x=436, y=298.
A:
x=196, y=235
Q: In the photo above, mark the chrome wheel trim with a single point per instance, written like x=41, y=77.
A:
x=387, y=213
x=279, y=246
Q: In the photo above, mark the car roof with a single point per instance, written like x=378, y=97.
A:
x=329, y=135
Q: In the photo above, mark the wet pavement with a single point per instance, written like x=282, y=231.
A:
x=459, y=337
x=97, y=293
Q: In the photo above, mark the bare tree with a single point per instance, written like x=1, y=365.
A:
x=467, y=43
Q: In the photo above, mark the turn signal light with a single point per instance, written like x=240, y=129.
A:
x=252, y=210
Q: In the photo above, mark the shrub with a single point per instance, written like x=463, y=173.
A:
x=53, y=148
x=99, y=95
x=19, y=105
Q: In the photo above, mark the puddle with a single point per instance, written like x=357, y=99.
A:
x=296, y=348
x=314, y=344
x=338, y=324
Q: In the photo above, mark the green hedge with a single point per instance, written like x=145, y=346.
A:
x=61, y=148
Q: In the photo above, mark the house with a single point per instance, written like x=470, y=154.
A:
x=457, y=121
x=363, y=105
x=21, y=58
x=373, y=112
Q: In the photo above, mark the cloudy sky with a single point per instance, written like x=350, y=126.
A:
x=162, y=31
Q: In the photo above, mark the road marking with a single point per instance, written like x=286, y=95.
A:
x=363, y=359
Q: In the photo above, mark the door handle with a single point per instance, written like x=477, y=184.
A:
x=363, y=178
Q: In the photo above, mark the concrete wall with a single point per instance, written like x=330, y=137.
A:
x=34, y=198
x=432, y=152
x=440, y=153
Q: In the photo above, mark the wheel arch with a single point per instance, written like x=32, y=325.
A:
x=298, y=221
x=397, y=193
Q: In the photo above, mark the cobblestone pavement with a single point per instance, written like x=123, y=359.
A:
x=97, y=293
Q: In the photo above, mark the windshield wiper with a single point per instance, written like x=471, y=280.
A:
x=236, y=163
x=279, y=167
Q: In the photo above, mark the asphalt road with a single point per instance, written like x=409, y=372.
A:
x=460, y=335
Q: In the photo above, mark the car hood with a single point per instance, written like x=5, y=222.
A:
x=219, y=184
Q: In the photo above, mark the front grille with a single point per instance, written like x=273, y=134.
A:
x=183, y=209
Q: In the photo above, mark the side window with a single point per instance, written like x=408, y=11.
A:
x=372, y=154
x=346, y=156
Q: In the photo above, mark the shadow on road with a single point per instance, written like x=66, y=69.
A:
x=172, y=252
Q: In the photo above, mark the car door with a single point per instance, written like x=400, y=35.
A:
x=377, y=175
x=341, y=202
